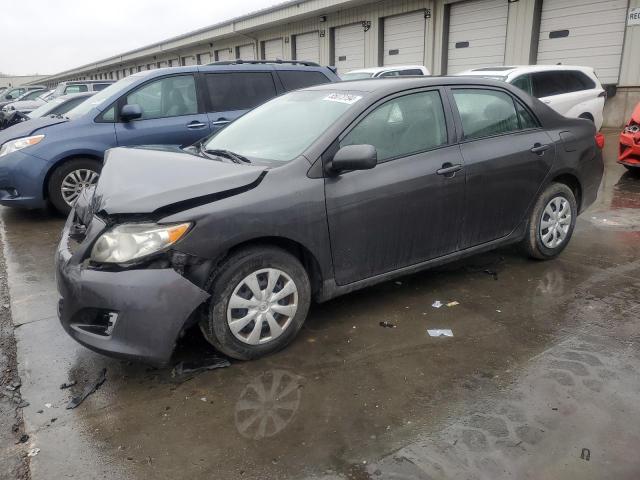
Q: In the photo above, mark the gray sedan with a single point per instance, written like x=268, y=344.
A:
x=315, y=194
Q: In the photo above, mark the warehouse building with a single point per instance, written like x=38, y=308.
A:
x=446, y=36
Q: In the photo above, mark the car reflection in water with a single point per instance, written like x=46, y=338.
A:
x=268, y=404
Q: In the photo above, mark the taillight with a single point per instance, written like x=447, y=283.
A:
x=600, y=140
x=632, y=128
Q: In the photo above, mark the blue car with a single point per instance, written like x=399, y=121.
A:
x=50, y=160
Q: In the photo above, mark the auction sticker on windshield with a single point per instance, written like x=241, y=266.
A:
x=342, y=98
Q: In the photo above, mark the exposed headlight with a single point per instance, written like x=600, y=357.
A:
x=132, y=241
x=19, y=144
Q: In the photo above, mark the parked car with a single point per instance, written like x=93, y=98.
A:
x=51, y=159
x=60, y=105
x=241, y=231
x=629, y=154
x=12, y=94
x=571, y=91
x=25, y=95
x=80, y=86
x=380, y=72
x=29, y=101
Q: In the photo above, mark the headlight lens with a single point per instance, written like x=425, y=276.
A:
x=19, y=144
x=132, y=241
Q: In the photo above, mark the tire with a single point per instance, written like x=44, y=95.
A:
x=228, y=281
x=538, y=243
x=88, y=168
x=632, y=169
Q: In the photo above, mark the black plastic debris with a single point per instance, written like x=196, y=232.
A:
x=201, y=365
x=493, y=273
x=88, y=390
x=585, y=454
x=23, y=438
x=68, y=385
x=387, y=325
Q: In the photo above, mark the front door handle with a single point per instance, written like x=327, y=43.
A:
x=539, y=149
x=449, y=170
x=220, y=122
x=195, y=125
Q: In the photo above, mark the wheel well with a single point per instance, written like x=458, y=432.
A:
x=587, y=115
x=58, y=164
x=573, y=183
x=308, y=260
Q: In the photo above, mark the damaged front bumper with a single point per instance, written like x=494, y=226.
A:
x=134, y=313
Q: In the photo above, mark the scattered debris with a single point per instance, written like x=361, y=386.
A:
x=453, y=304
x=53, y=419
x=387, y=325
x=13, y=386
x=203, y=399
x=586, y=454
x=493, y=273
x=68, y=385
x=499, y=311
x=23, y=438
x=88, y=390
x=398, y=283
x=48, y=405
x=23, y=404
x=40, y=411
x=33, y=452
x=440, y=332
x=197, y=366
x=436, y=304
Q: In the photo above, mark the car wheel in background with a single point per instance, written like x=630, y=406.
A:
x=551, y=223
x=259, y=300
x=68, y=180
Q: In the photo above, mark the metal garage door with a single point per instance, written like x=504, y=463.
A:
x=224, y=54
x=576, y=32
x=349, y=47
x=204, y=58
x=404, y=39
x=247, y=52
x=307, y=47
x=477, y=34
x=190, y=60
x=272, y=49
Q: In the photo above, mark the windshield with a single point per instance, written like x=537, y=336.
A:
x=101, y=96
x=356, y=75
x=280, y=130
x=46, y=108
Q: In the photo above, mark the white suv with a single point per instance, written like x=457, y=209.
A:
x=389, y=71
x=572, y=91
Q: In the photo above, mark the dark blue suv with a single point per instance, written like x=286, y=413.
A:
x=52, y=159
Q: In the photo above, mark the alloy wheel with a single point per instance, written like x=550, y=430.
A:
x=262, y=306
x=75, y=181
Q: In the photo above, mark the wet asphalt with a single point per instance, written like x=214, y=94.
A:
x=542, y=369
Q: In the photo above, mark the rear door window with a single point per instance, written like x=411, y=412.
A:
x=485, y=113
x=101, y=86
x=548, y=84
x=166, y=97
x=523, y=82
x=295, y=79
x=239, y=90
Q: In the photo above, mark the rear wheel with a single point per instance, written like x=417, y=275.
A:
x=551, y=223
x=68, y=180
x=259, y=300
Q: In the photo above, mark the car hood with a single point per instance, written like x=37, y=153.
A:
x=24, y=129
x=149, y=180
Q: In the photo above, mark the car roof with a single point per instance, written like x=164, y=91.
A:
x=389, y=85
x=518, y=69
x=73, y=82
x=385, y=69
x=233, y=66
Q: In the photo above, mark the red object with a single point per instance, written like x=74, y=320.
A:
x=629, y=154
x=600, y=140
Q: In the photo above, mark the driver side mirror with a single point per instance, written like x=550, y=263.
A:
x=9, y=96
x=130, y=112
x=355, y=157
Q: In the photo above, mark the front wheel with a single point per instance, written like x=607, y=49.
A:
x=68, y=180
x=260, y=297
x=551, y=223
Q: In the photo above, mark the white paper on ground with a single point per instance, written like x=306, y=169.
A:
x=440, y=332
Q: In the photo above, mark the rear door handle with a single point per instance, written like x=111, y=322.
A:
x=220, y=122
x=539, y=149
x=195, y=125
x=449, y=170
